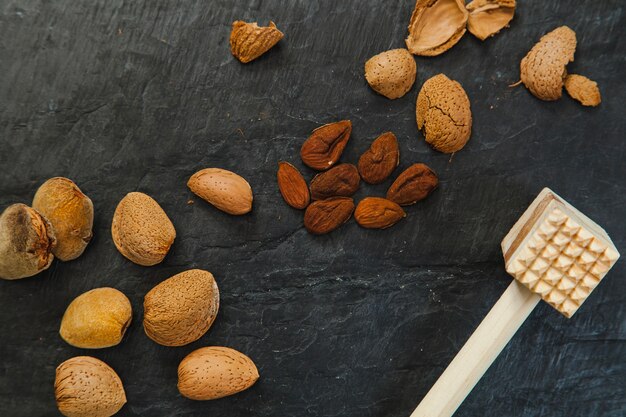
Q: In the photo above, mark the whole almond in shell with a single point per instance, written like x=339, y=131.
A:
x=340, y=181
x=436, y=26
x=391, y=73
x=27, y=240
x=412, y=185
x=182, y=308
x=71, y=214
x=443, y=114
x=379, y=161
x=248, y=41
x=87, y=387
x=223, y=189
x=324, y=216
x=583, y=89
x=96, y=319
x=214, y=372
x=488, y=17
x=378, y=213
x=324, y=147
x=141, y=230
x=543, y=69
x=292, y=186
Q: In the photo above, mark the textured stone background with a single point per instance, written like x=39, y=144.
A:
x=127, y=96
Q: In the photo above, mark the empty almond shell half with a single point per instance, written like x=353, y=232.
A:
x=87, y=387
x=248, y=41
x=488, y=17
x=583, y=89
x=182, y=308
x=391, y=73
x=542, y=70
x=443, y=114
x=436, y=26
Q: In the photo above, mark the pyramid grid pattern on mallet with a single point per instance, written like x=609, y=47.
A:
x=562, y=262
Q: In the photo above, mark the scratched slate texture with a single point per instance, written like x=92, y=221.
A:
x=127, y=96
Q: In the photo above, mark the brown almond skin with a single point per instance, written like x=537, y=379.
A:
x=379, y=161
x=378, y=213
x=543, y=70
x=27, y=240
x=324, y=216
x=413, y=185
x=324, y=147
x=141, y=230
x=96, y=319
x=224, y=189
x=182, y=308
x=292, y=186
x=340, y=181
x=214, y=372
x=87, y=387
x=71, y=214
x=443, y=114
x=248, y=41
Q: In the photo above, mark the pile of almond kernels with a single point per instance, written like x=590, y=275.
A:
x=332, y=189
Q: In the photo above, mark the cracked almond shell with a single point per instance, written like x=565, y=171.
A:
x=96, y=319
x=391, y=73
x=436, y=26
x=182, y=308
x=543, y=70
x=443, y=114
x=583, y=89
x=488, y=17
x=223, y=189
x=141, y=230
x=214, y=372
x=27, y=240
x=248, y=41
x=87, y=387
x=71, y=214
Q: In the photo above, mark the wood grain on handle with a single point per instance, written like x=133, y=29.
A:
x=478, y=353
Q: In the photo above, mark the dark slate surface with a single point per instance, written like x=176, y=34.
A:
x=136, y=96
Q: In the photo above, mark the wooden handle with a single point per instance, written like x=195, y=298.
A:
x=478, y=353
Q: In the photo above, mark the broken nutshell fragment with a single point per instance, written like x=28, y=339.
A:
x=391, y=73
x=248, y=41
x=443, y=114
x=436, y=26
x=543, y=70
x=379, y=161
x=324, y=216
x=325, y=145
x=340, y=181
x=583, y=89
x=413, y=185
x=488, y=17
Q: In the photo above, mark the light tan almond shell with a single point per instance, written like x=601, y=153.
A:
x=87, y=387
x=583, y=89
x=214, y=372
x=488, y=17
x=182, y=308
x=248, y=41
x=223, y=189
x=96, y=319
x=26, y=242
x=141, y=230
x=542, y=70
x=436, y=26
x=391, y=73
x=71, y=214
x=443, y=114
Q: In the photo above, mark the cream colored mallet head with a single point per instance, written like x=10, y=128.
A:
x=555, y=253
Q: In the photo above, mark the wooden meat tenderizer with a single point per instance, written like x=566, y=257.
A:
x=555, y=253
